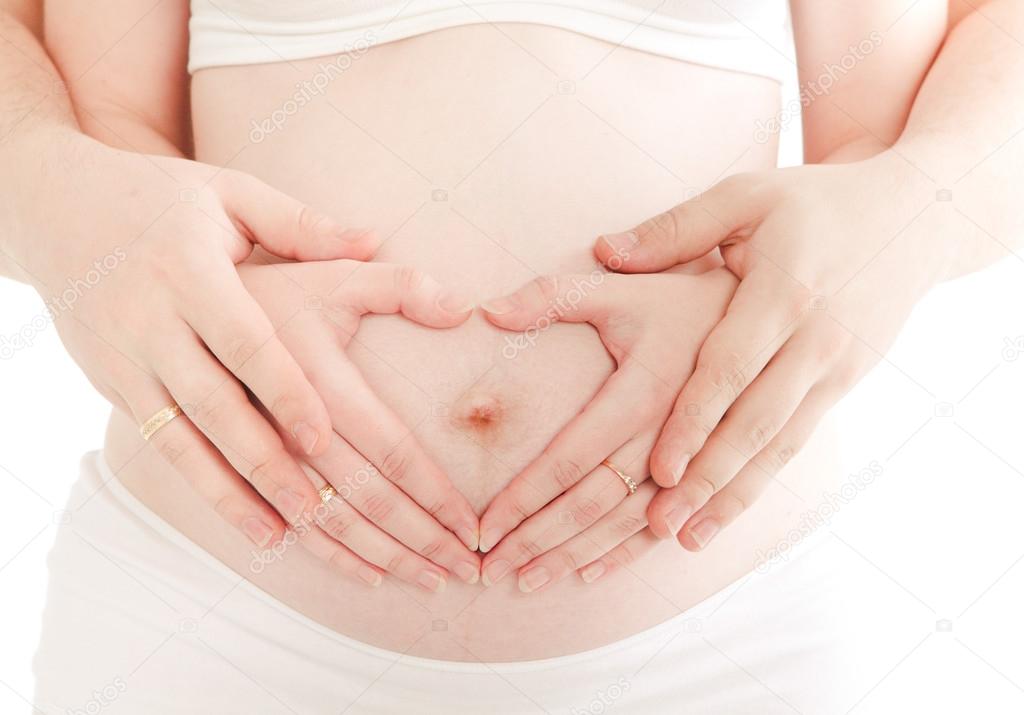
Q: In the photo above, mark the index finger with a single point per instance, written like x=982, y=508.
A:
x=759, y=320
x=621, y=406
x=605, y=423
x=382, y=437
x=205, y=469
x=393, y=511
x=240, y=334
x=387, y=288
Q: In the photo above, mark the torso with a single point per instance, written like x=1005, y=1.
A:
x=487, y=155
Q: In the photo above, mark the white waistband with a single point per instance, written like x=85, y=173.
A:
x=737, y=35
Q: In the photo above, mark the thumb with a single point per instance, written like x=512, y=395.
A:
x=684, y=232
x=549, y=299
x=388, y=288
x=286, y=227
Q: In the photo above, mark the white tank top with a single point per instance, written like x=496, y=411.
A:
x=749, y=36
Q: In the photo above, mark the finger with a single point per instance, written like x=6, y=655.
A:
x=218, y=482
x=388, y=288
x=218, y=406
x=378, y=434
x=687, y=231
x=760, y=319
x=750, y=424
x=575, y=511
x=390, y=509
x=736, y=497
x=631, y=396
x=366, y=423
x=621, y=556
x=286, y=227
x=341, y=558
x=206, y=471
x=549, y=299
x=238, y=332
x=622, y=522
x=343, y=523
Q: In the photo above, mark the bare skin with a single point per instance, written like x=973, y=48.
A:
x=621, y=210
x=485, y=415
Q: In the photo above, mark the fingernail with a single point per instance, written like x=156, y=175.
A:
x=681, y=464
x=592, y=572
x=675, y=519
x=257, y=530
x=533, y=579
x=455, y=303
x=470, y=573
x=495, y=571
x=431, y=581
x=468, y=537
x=291, y=502
x=620, y=242
x=488, y=539
x=704, y=531
x=369, y=576
x=498, y=306
x=349, y=234
x=305, y=436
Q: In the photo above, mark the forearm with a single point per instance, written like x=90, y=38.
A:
x=44, y=151
x=35, y=115
x=124, y=63
x=963, y=138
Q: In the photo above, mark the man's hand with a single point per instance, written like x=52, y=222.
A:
x=136, y=257
x=829, y=271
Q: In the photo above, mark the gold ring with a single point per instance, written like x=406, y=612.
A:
x=626, y=479
x=158, y=420
x=327, y=492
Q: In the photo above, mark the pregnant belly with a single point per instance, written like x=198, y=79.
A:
x=485, y=156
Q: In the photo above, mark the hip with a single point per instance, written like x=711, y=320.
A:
x=144, y=619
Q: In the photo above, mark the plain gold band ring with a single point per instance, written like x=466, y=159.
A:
x=158, y=420
x=626, y=479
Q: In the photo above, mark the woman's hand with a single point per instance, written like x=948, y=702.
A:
x=612, y=541
x=392, y=498
x=136, y=258
x=653, y=326
x=831, y=260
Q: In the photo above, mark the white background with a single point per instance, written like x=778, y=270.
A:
x=939, y=533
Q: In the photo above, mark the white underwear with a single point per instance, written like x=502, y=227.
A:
x=140, y=620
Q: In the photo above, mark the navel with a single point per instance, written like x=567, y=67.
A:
x=480, y=413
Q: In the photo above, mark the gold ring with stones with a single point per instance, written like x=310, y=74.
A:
x=626, y=479
x=327, y=492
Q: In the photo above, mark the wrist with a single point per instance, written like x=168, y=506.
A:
x=910, y=196
x=38, y=167
x=859, y=149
